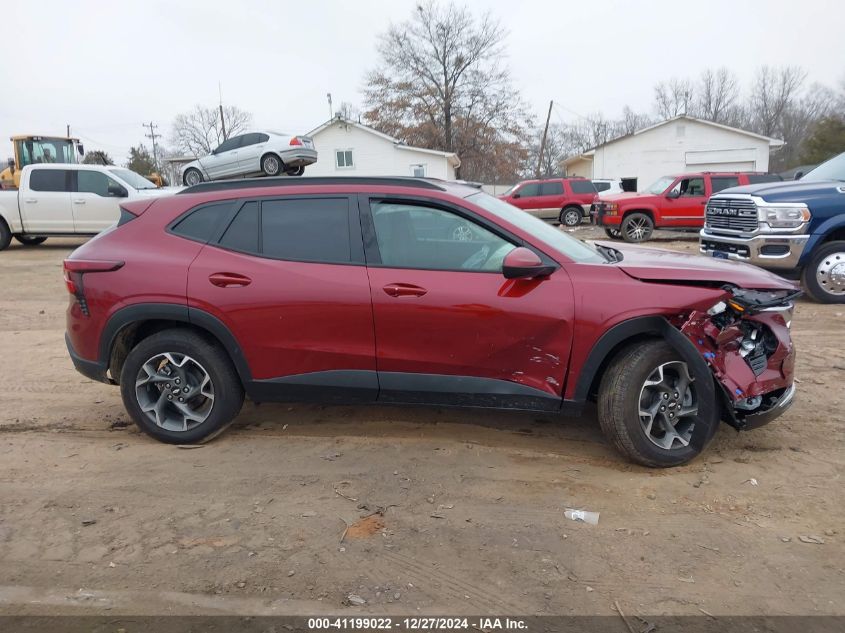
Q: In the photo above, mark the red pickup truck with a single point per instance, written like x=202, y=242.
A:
x=673, y=202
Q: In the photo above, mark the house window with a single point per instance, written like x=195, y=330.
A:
x=418, y=171
x=343, y=159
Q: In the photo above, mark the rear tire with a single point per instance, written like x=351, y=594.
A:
x=31, y=240
x=824, y=275
x=271, y=165
x=637, y=227
x=571, y=216
x=191, y=177
x=214, y=397
x=629, y=389
x=5, y=235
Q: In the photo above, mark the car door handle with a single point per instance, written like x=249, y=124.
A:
x=229, y=280
x=404, y=290
x=79, y=202
x=31, y=201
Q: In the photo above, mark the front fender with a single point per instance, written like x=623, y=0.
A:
x=819, y=235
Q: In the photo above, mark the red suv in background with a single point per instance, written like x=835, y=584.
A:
x=567, y=200
x=360, y=290
x=673, y=202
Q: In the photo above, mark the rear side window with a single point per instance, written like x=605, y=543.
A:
x=306, y=229
x=723, y=182
x=242, y=234
x=582, y=186
x=601, y=186
x=551, y=189
x=204, y=222
x=49, y=180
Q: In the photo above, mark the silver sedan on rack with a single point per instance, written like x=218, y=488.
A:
x=252, y=154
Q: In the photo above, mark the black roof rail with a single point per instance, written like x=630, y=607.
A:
x=304, y=181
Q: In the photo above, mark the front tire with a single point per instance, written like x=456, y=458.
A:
x=179, y=388
x=571, y=216
x=191, y=177
x=649, y=406
x=637, y=227
x=614, y=234
x=31, y=240
x=824, y=275
x=271, y=165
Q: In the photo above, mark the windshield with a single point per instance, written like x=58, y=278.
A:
x=574, y=249
x=45, y=150
x=834, y=169
x=660, y=185
x=131, y=178
x=509, y=190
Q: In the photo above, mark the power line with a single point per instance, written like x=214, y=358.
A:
x=153, y=136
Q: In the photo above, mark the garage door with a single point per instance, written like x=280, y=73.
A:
x=743, y=166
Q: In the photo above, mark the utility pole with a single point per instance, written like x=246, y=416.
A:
x=222, y=118
x=543, y=142
x=153, y=136
x=68, y=130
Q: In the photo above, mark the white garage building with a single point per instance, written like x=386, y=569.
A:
x=677, y=145
x=347, y=148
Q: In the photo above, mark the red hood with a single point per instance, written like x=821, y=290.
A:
x=655, y=264
x=626, y=195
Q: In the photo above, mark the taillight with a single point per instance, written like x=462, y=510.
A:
x=74, y=269
x=295, y=141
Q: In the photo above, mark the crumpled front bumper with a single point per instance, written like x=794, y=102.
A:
x=773, y=384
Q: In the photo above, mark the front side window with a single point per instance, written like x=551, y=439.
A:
x=98, y=183
x=529, y=190
x=306, y=229
x=343, y=158
x=49, y=180
x=427, y=238
x=718, y=183
x=690, y=187
x=551, y=189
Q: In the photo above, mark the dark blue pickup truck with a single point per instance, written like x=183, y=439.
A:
x=790, y=227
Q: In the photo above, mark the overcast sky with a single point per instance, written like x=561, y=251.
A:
x=106, y=67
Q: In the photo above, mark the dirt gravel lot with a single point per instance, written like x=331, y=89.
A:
x=96, y=518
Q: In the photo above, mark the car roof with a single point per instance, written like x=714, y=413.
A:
x=281, y=183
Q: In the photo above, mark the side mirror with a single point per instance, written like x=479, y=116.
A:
x=523, y=263
x=798, y=175
x=675, y=193
x=117, y=191
x=515, y=195
x=80, y=149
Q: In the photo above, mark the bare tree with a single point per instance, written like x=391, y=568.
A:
x=798, y=122
x=632, y=121
x=201, y=130
x=440, y=85
x=773, y=91
x=673, y=98
x=716, y=96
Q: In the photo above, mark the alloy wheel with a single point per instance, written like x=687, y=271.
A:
x=462, y=233
x=192, y=178
x=174, y=391
x=830, y=274
x=668, y=406
x=271, y=165
x=638, y=229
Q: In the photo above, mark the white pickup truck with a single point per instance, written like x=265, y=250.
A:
x=68, y=200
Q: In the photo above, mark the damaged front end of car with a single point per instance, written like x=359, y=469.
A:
x=745, y=339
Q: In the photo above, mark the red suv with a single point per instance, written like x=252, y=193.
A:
x=567, y=200
x=673, y=202
x=360, y=290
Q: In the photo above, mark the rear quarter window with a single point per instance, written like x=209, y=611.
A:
x=582, y=186
x=203, y=223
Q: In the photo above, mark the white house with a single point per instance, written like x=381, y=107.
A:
x=347, y=148
x=677, y=145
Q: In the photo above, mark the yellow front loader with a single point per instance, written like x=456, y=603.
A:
x=33, y=149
